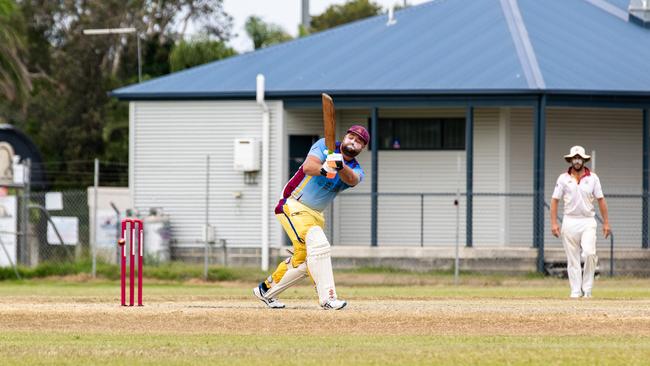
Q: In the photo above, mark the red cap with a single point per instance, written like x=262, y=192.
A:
x=361, y=132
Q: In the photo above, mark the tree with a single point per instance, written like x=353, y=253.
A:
x=265, y=34
x=336, y=15
x=198, y=52
x=69, y=114
x=15, y=83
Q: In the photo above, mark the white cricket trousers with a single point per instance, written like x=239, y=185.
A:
x=579, y=235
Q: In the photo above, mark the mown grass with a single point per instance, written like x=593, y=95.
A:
x=23, y=348
x=115, y=345
x=438, y=287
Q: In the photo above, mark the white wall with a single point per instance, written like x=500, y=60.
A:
x=169, y=143
x=615, y=134
x=503, y=163
x=424, y=171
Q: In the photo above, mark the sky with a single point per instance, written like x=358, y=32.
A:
x=285, y=13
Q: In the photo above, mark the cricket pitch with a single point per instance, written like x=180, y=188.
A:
x=527, y=323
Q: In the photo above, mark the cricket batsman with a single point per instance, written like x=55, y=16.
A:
x=323, y=175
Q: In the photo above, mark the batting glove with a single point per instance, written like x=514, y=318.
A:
x=327, y=171
x=335, y=161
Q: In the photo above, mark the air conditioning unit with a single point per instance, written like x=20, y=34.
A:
x=246, y=155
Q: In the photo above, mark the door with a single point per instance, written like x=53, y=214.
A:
x=299, y=146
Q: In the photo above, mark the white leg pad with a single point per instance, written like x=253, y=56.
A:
x=319, y=263
x=290, y=278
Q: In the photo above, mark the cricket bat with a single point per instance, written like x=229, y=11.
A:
x=329, y=124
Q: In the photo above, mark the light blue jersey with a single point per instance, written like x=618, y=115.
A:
x=316, y=192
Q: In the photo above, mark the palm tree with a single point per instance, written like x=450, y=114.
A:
x=15, y=83
x=265, y=34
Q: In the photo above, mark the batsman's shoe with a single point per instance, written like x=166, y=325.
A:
x=272, y=303
x=334, y=304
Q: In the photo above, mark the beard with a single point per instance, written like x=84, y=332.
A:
x=349, y=150
x=578, y=166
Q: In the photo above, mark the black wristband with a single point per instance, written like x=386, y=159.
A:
x=323, y=172
x=339, y=165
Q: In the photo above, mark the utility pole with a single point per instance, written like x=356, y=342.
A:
x=103, y=31
x=305, y=19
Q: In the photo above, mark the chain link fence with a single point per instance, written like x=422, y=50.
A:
x=59, y=235
x=499, y=219
x=44, y=226
x=63, y=233
x=32, y=234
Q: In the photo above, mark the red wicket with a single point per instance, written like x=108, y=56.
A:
x=136, y=230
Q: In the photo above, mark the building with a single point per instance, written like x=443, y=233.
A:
x=506, y=85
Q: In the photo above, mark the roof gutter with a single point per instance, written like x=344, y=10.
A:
x=401, y=94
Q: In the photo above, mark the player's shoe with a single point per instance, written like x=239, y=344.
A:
x=587, y=295
x=272, y=303
x=575, y=295
x=334, y=304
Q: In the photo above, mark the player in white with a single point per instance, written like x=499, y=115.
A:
x=578, y=187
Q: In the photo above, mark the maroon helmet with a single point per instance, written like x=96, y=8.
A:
x=361, y=132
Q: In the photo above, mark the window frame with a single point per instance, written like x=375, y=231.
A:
x=443, y=121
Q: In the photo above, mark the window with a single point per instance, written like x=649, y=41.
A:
x=421, y=133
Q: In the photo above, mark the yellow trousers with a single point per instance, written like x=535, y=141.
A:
x=296, y=219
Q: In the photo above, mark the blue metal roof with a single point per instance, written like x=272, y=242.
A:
x=439, y=47
x=582, y=47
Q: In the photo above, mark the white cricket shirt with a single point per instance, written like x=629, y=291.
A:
x=579, y=195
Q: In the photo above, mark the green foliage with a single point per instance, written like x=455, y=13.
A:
x=222, y=274
x=68, y=113
x=194, y=53
x=265, y=34
x=302, y=31
x=174, y=271
x=46, y=269
x=15, y=82
x=336, y=15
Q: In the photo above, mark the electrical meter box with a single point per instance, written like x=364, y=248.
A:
x=246, y=155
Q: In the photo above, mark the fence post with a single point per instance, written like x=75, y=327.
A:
x=422, y=220
x=538, y=184
x=457, y=204
x=94, y=226
x=374, y=137
x=611, y=254
x=118, y=229
x=207, y=212
x=469, y=167
x=645, y=178
x=25, y=211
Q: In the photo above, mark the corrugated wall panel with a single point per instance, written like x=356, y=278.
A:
x=615, y=134
x=520, y=158
x=399, y=221
x=488, y=221
x=351, y=214
x=171, y=141
x=304, y=121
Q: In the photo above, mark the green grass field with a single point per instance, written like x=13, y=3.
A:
x=392, y=318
